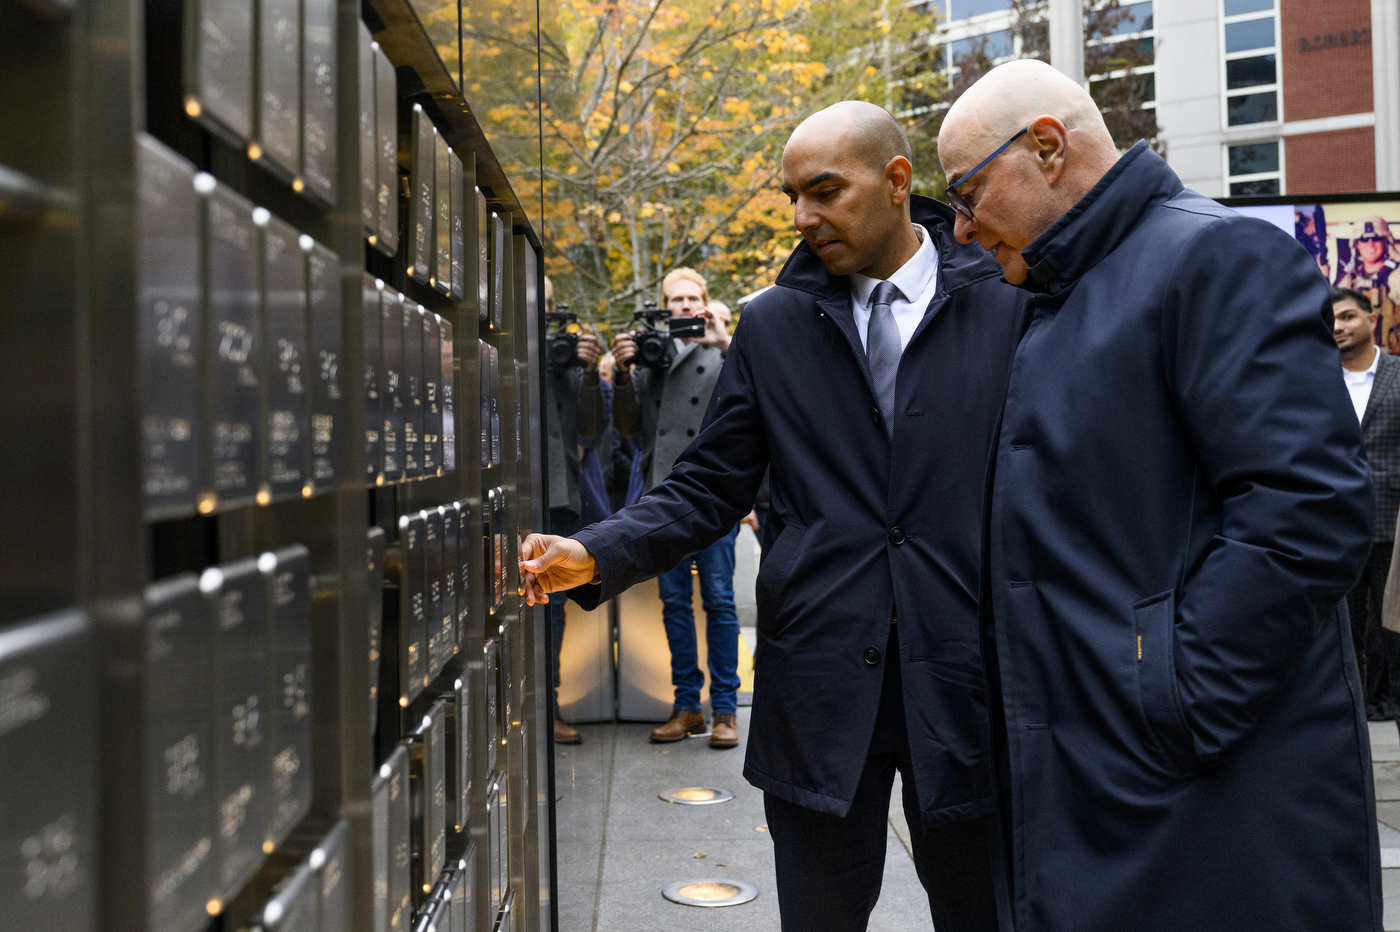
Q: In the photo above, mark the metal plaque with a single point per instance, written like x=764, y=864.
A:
x=500, y=259
x=412, y=324
x=327, y=351
x=447, y=394
x=468, y=548
x=441, y=279
x=318, y=151
x=431, y=445
x=285, y=359
x=421, y=205
x=369, y=150
x=379, y=849
x=374, y=602
x=461, y=757
x=168, y=283
x=218, y=66
x=49, y=783
x=427, y=755
x=295, y=905
x=395, y=774
x=483, y=394
x=450, y=531
x=413, y=610
x=232, y=346
x=374, y=368
x=179, y=754
x=287, y=585
x=386, y=123
x=494, y=384
x=495, y=841
x=331, y=862
x=391, y=385
x=438, y=654
x=458, y=227
x=276, y=142
x=463, y=885
x=483, y=265
x=241, y=710
x=490, y=672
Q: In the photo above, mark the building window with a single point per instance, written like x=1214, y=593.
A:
x=996, y=45
x=1254, y=169
x=962, y=9
x=1250, y=38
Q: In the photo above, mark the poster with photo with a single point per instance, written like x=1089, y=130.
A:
x=1354, y=244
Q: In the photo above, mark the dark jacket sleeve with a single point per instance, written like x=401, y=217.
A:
x=627, y=404
x=590, y=407
x=710, y=489
x=1258, y=386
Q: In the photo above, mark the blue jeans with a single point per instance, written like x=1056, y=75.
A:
x=715, y=566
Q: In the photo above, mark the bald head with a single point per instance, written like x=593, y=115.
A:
x=1009, y=97
x=858, y=127
x=1063, y=151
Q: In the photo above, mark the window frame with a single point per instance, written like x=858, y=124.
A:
x=1276, y=88
x=1279, y=174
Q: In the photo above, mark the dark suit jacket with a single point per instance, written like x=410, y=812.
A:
x=1179, y=504
x=861, y=526
x=1380, y=431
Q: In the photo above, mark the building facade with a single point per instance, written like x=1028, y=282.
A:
x=1253, y=97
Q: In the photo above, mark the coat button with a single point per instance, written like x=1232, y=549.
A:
x=875, y=416
x=694, y=399
x=661, y=432
x=699, y=370
x=872, y=656
x=896, y=535
x=689, y=432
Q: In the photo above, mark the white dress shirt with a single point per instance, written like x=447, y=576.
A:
x=1359, y=384
x=916, y=280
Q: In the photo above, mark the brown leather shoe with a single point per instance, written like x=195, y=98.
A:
x=563, y=734
x=681, y=725
x=725, y=732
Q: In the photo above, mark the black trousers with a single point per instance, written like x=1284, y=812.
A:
x=1377, y=650
x=830, y=868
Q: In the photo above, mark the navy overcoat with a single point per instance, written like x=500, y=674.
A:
x=861, y=527
x=1179, y=503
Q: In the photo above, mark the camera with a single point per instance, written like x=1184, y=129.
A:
x=560, y=346
x=659, y=327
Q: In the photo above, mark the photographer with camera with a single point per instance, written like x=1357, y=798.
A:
x=574, y=397
x=661, y=389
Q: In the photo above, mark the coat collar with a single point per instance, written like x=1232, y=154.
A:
x=1101, y=220
x=958, y=265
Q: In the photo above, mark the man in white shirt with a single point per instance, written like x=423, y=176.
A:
x=1371, y=378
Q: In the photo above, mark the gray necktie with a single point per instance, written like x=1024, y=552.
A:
x=882, y=350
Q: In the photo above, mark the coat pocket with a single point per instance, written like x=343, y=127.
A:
x=770, y=588
x=1155, y=621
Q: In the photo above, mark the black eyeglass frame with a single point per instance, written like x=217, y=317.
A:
x=956, y=200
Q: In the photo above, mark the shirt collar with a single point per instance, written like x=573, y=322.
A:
x=911, y=279
x=1369, y=371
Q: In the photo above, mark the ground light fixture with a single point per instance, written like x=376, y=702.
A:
x=696, y=796
x=710, y=893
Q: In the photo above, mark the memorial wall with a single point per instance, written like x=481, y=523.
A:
x=270, y=374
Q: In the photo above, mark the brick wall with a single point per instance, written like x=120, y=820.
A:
x=1331, y=163
x=1326, y=52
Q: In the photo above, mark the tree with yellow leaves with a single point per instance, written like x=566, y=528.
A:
x=664, y=122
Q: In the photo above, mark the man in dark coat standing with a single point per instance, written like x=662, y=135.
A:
x=1373, y=381
x=1178, y=505
x=869, y=382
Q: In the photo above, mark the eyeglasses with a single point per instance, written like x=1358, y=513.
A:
x=956, y=200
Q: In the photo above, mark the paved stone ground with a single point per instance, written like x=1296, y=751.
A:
x=619, y=844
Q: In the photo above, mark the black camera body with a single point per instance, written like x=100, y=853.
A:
x=659, y=328
x=560, y=346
